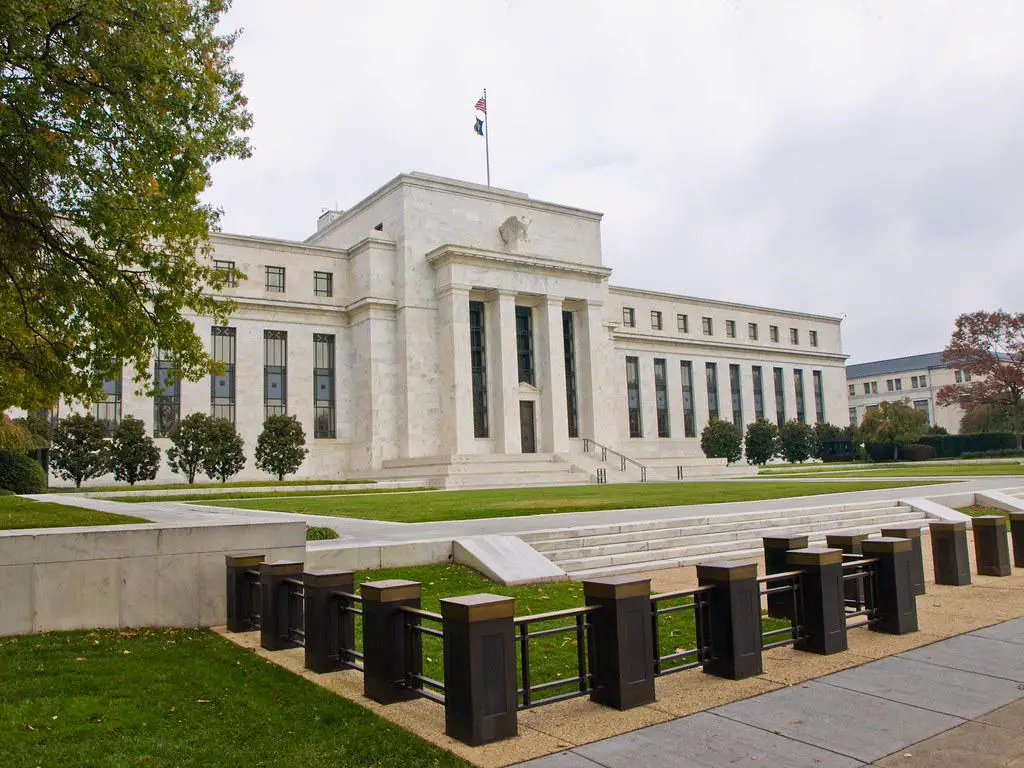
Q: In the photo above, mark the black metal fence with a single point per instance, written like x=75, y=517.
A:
x=574, y=621
x=667, y=627
x=860, y=591
x=416, y=632
x=785, y=587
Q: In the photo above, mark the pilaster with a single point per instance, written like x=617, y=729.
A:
x=456, y=373
x=506, y=380
x=548, y=337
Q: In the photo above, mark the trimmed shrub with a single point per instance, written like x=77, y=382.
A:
x=795, y=441
x=761, y=442
x=80, y=448
x=320, y=533
x=280, y=448
x=20, y=474
x=1008, y=453
x=953, y=446
x=133, y=454
x=916, y=452
x=188, y=445
x=722, y=440
x=837, y=450
x=224, y=456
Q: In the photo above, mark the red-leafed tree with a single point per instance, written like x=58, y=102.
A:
x=990, y=347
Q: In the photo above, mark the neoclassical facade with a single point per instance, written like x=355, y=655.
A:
x=438, y=321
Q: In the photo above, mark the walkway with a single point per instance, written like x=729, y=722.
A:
x=956, y=702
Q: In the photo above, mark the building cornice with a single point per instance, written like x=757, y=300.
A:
x=640, y=293
x=458, y=254
x=269, y=243
x=702, y=346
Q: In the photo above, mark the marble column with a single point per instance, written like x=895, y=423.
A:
x=549, y=341
x=456, y=371
x=594, y=369
x=674, y=384
x=506, y=380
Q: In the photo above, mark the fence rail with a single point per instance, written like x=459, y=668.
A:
x=860, y=600
x=582, y=681
x=421, y=684
x=784, y=583
x=697, y=601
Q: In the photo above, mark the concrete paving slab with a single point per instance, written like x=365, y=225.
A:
x=1010, y=717
x=973, y=744
x=709, y=741
x=1008, y=632
x=561, y=760
x=859, y=726
x=972, y=653
x=949, y=691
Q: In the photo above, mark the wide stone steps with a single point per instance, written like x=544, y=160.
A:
x=650, y=545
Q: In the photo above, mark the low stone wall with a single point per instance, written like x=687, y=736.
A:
x=129, y=575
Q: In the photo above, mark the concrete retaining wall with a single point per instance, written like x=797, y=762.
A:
x=128, y=575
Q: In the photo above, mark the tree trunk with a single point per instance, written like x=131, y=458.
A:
x=280, y=477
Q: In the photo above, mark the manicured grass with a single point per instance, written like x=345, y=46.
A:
x=978, y=511
x=184, y=698
x=203, y=497
x=184, y=486
x=924, y=469
x=509, y=502
x=16, y=512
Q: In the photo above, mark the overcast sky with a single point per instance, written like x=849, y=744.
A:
x=862, y=158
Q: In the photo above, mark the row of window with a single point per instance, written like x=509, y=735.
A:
x=715, y=410
x=920, y=405
x=323, y=282
x=892, y=385
x=525, y=361
x=708, y=327
x=167, y=403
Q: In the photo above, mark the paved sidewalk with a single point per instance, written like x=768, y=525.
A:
x=957, y=702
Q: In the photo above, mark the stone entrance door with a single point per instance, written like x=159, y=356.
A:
x=527, y=426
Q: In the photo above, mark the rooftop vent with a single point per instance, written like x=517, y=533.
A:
x=326, y=218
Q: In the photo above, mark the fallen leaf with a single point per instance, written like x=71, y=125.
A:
x=204, y=701
x=79, y=658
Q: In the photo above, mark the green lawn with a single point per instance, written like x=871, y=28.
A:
x=184, y=698
x=236, y=495
x=509, y=502
x=924, y=469
x=16, y=512
x=977, y=511
x=184, y=486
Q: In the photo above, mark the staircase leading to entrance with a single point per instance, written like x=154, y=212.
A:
x=650, y=545
x=486, y=470
x=591, y=456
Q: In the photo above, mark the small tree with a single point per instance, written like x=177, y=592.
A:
x=990, y=347
x=796, y=440
x=986, y=418
x=188, y=445
x=761, y=442
x=133, y=454
x=893, y=423
x=722, y=440
x=280, y=448
x=823, y=433
x=223, y=456
x=80, y=449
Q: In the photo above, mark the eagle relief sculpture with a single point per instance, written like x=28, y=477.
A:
x=512, y=230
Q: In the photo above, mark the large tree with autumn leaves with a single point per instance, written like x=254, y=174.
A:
x=990, y=347
x=111, y=114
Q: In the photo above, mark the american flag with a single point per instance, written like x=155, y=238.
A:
x=481, y=104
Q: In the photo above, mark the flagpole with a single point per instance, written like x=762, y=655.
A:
x=487, y=138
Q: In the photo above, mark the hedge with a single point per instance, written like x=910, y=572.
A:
x=905, y=452
x=953, y=446
x=20, y=474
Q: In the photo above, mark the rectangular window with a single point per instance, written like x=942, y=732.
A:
x=711, y=372
x=752, y=331
x=853, y=417
x=655, y=320
x=524, y=344
x=683, y=323
x=737, y=397
x=222, y=385
x=867, y=388
x=853, y=390
x=628, y=317
x=633, y=396
x=689, y=415
x=661, y=397
x=707, y=326
x=324, y=421
x=798, y=386
x=773, y=333
x=967, y=376
x=569, y=349
x=780, y=397
x=167, y=401
x=813, y=335
x=275, y=279
x=323, y=283
x=874, y=387
x=922, y=405
x=819, y=397
x=108, y=408
x=758, y=376
x=923, y=381
x=275, y=373
x=730, y=329
x=794, y=335
x=227, y=267
x=913, y=382
x=478, y=366
x=889, y=385
x=899, y=385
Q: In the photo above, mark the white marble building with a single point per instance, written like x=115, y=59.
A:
x=443, y=328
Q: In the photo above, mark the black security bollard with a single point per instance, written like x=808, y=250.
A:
x=912, y=532
x=389, y=654
x=274, y=603
x=1017, y=529
x=991, y=547
x=734, y=615
x=780, y=605
x=480, y=696
x=850, y=544
x=330, y=631
x=622, y=648
x=896, y=606
x=242, y=606
x=821, y=594
x=949, y=553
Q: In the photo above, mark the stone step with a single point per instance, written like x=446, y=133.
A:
x=823, y=519
x=510, y=480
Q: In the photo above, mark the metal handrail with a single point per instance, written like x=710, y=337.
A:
x=581, y=628
x=550, y=615
x=623, y=458
x=699, y=605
